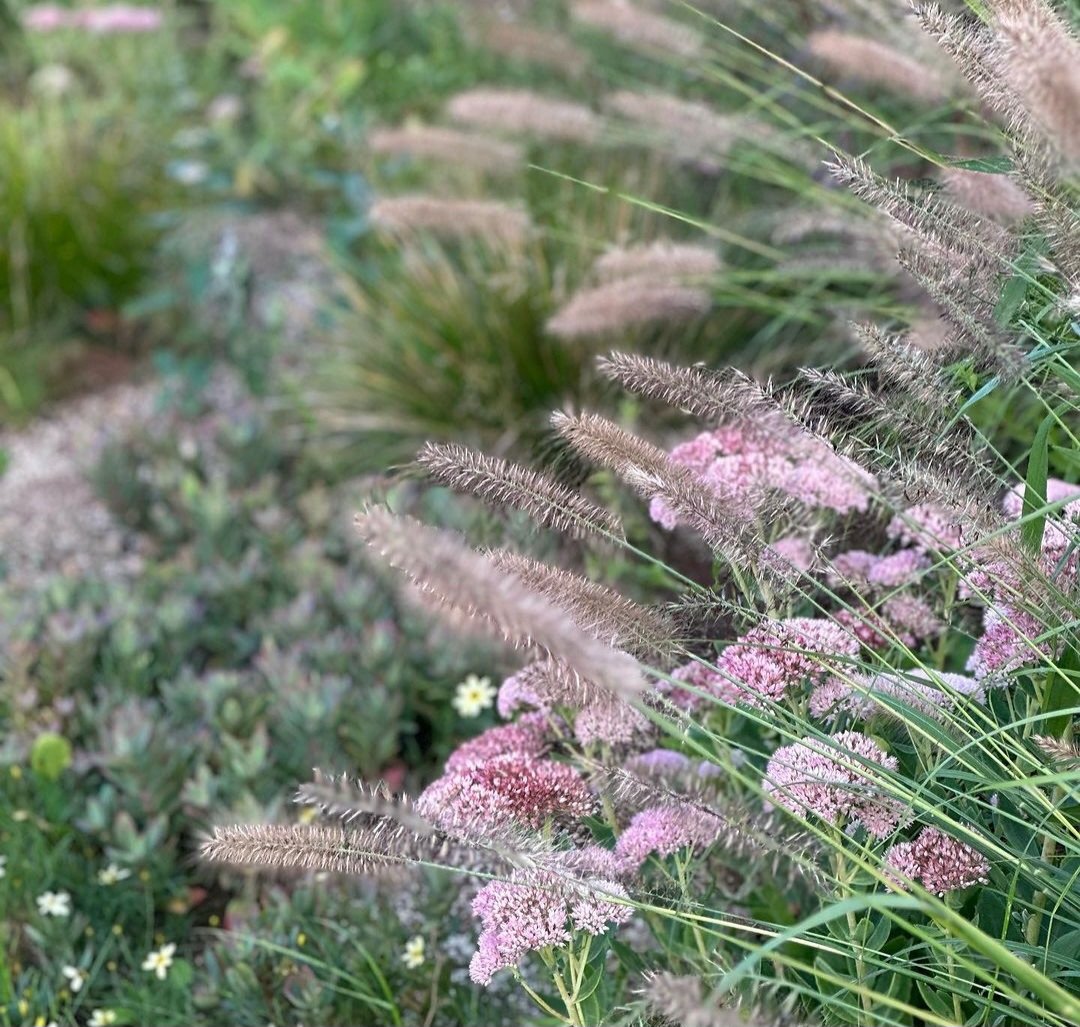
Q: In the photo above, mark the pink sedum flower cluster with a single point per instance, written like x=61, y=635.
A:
x=928, y=528
x=861, y=568
x=610, y=721
x=743, y=460
x=536, y=909
x=939, y=863
x=664, y=830
x=526, y=737
x=779, y=655
x=512, y=787
x=827, y=779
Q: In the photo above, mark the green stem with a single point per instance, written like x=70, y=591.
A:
x=550, y=1010
x=1049, y=849
x=844, y=880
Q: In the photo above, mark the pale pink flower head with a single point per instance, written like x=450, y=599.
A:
x=610, y=720
x=930, y=694
x=928, y=527
x=113, y=19
x=1008, y=643
x=512, y=787
x=1061, y=531
x=795, y=550
x=701, y=678
x=46, y=18
x=779, y=655
x=939, y=863
x=911, y=617
x=664, y=830
x=900, y=568
x=517, y=693
x=659, y=763
x=1056, y=491
x=537, y=909
x=745, y=459
x=526, y=738
x=828, y=778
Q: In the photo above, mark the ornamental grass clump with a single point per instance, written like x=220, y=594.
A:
x=798, y=725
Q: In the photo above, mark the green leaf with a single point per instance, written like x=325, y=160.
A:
x=1063, y=692
x=182, y=973
x=1035, y=486
x=939, y=1001
x=50, y=755
x=1067, y=455
x=991, y=165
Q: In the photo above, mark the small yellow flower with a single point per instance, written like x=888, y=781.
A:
x=16, y=772
x=213, y=920
x=112, y=874
x=101, y=1018
x=413, y=956
x=301, y=939
x=75, y=978
x=118, y=929
x=473, y=696
x=159, y=961
x=307, y=815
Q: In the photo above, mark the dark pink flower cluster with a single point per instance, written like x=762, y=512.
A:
x=104, y=20
x=513, y=787
x=744, y=460
x=778, y=655
x=526, y=737
x=534, y=910
x=828, y=778
x=939, y=863
x=664, y=830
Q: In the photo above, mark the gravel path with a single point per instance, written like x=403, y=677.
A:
x=51, y=521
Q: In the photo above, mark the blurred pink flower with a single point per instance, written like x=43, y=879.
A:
x=104, y=20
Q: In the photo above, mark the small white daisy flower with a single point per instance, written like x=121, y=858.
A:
x=101, y=1018
x=474, y=695
x=54, y=903
x=413, y=956
x=112, y=874
x=75, y=977
x=159, y=961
